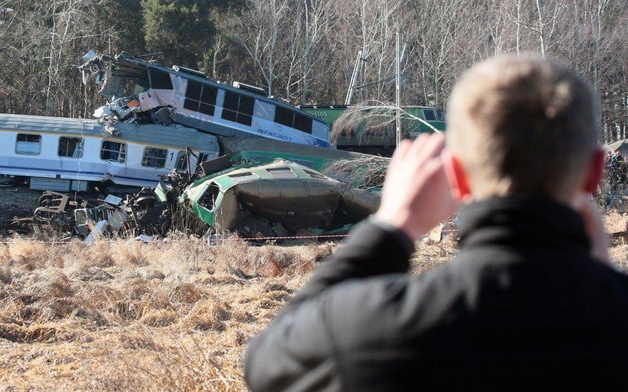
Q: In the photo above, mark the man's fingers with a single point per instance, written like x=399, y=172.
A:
x=595, y=229
x=428, y=143
x=425, y=148
x=425, y=145
x=401, y=150
x=416, y=194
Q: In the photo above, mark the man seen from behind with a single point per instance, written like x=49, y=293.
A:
x=530, y=302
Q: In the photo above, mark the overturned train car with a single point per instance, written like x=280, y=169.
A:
x=140, y=88
x=277, y=198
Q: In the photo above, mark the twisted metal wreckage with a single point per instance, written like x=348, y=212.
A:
x=254, y=198
x=271, y=172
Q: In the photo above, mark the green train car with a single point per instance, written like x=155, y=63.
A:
x=371, y=129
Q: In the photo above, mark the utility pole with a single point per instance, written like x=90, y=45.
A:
x=354, y=78
x=398, y=89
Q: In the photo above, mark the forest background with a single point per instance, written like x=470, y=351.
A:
x=304, y=51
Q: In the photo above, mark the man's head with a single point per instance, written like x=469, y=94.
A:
x=524, y=126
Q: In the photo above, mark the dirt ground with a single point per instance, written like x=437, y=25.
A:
x=17, y=201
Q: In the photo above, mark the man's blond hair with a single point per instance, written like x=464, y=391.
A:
x=522, y=126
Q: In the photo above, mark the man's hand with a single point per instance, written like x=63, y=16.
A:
x=594, y=224
x=416, y=195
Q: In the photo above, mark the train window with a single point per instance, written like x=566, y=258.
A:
x=264, y=110
x=238, y=108
x=160, y=80
x=294, y=120
x=202, y=157
x=200, y=98
x=210, y=196
x=284, y=116
x=282, y=172
x=245, y=115
x=429, y=115
x=71, y=147
x=243, y=177
x=440, y=115
x=204, y=108
x=208, y=95
x=302, y=123
x=113, y=151
x=193, y=91
x=28, y=144
x=154, y=157
x=230, y=106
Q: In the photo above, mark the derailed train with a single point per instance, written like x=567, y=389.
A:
x=161, y=120
x=157, y=119
x=66, y=154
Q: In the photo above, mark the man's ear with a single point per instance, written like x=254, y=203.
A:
x=595, y=172
x=456, y=175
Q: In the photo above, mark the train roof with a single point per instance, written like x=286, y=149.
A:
x=22, y=122
x=172, y=135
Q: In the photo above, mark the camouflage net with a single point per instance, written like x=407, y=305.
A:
x=365, y=172
x=373, y=119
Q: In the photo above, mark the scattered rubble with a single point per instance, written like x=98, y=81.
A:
x=66, y=215
x=255, y=198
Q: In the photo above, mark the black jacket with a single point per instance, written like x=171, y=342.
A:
x=522, y=306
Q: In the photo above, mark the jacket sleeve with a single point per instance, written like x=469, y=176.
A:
x=297, y=349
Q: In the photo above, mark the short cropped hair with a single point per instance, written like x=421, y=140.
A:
x=522, y=125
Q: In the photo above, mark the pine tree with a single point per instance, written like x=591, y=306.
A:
x=181, y=30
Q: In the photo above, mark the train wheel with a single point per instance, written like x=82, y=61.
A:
x=45, y=200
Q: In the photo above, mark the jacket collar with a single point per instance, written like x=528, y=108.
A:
x=522, y=222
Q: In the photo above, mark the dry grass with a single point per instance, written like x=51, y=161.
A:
x=173, y=315
x=125, y=315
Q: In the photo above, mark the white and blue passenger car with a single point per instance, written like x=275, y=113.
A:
x=69, y=154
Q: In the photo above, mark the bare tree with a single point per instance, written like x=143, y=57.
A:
x=258, y=31
x=317, y=26
x=373, y=25
x=304, y=50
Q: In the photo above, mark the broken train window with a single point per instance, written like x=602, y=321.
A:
x=160, y=80
x=154, y=157
x=182, y=161
x=209, y=198
x=71, y=147
x=200, y=98
x=113, y=151
x=28, y=144
x=238, y=108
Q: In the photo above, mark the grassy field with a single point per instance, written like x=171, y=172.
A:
x=164, y=316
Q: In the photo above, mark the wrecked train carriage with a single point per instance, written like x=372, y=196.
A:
x=371, y=129
x=179, y=95
x=253, y=198
x=355, y=169
x=66, y=154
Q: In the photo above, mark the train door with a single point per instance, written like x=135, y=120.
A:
x=114, y=155
x=186, y=160
x=181, y=160
x=70, y=152
x=177, y=160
